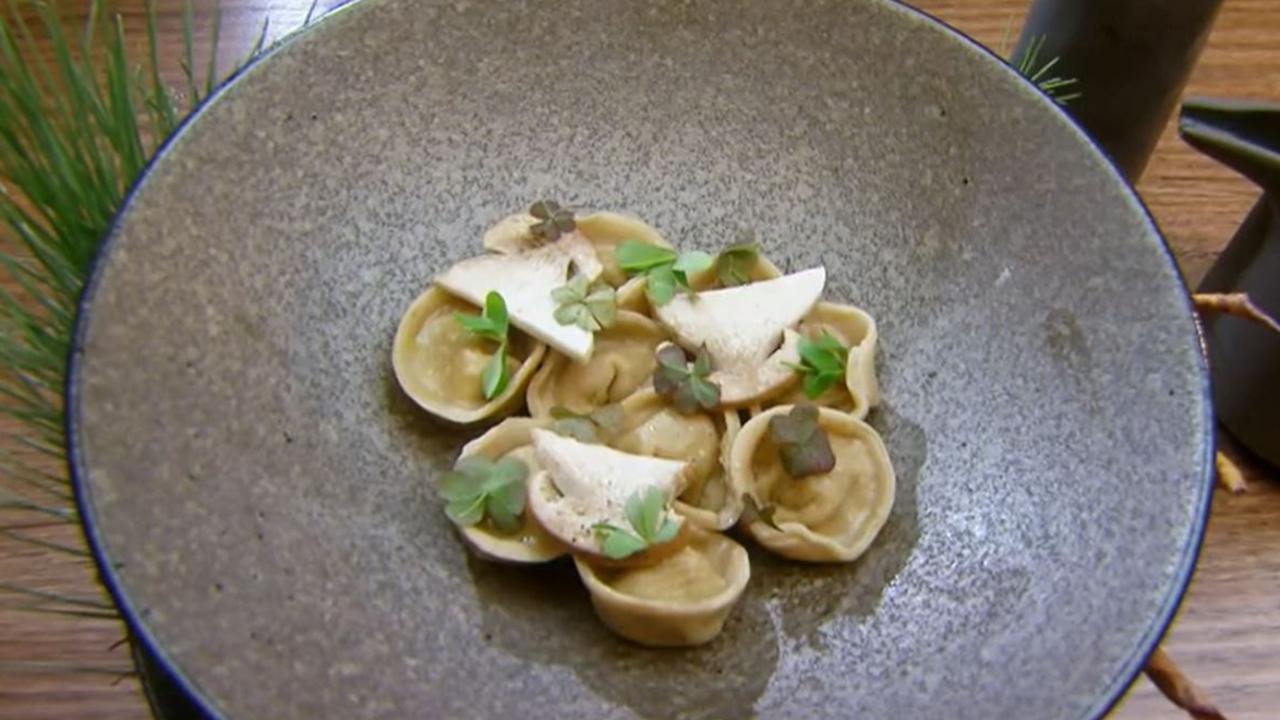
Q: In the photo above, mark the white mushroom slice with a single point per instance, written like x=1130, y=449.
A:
x=742, y=327
x=622, y=361
x=529, y=544
x=439, y=364
x=607, y=230
x=512, y=234
x=856, y=330
x=650, y=426
x=831, y=517
x=525, y=281
x=683, y=600
x=584, y=485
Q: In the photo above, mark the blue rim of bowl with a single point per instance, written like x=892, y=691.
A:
x=1120, y=683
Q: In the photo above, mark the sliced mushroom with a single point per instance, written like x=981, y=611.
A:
x=622, y=361
x=650, y=426
x=525, y=280
x=683, y=600
x=831, y=517
x=510, y=235
x=583, y=486
x=530, y=543
x=856, y=330
x=439, y=364
x=607, y=230
x=745, y=330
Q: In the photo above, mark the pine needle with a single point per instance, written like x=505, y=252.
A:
x=38, y=667
x=1029, y=66
x=42, y=543
x=47, y=596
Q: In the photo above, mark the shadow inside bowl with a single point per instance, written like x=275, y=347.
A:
x=543, y=615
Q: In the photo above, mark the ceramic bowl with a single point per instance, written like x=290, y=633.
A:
x=258, y=491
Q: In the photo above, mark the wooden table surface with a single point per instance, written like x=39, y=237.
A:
x=1227, y=635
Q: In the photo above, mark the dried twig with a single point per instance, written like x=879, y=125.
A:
x=1179, y=689
x=1229, y=475
x=1237, y=304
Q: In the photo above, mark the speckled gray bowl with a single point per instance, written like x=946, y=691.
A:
x=258, y=491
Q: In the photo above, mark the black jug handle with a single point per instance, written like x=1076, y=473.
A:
x=1243, y=135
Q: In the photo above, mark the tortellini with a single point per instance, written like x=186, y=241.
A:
x=856, y=330
x=439, y=364
x=530, y=543
x=648, y=430
x=623, y=361
x=683, y=600
x=651, y=427
x=832, y=517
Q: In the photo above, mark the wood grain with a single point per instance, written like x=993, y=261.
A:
x=1227, y=636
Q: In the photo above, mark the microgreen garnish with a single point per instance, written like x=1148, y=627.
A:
x=803, y=446
x=478, y=487
x=753, y=511
x=492, y=325
x=685, y=383
x=590, y=307
x=592, y=427
x=553, y=220
x=664, y=269
x=735, y=262
x=822, y=363
x=644, y=514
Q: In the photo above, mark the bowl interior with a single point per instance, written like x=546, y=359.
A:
x=259, y=491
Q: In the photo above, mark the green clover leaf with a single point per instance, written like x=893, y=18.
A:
x=478, y=487
x=492, y=324
x=803, y=446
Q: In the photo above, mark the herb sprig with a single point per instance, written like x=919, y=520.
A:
x=734, y=263
x=478, y=487
x=685, y=383
x=648, y=526
x=492, y=324
x=664, y=269
x=822, y=363
x=593, y=427
x=590, y=307
x=553, y=221
x=753, y=511
x=803, y=446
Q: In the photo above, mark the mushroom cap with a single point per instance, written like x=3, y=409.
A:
x=583, y=485
x=525, y=281
x=744, y=329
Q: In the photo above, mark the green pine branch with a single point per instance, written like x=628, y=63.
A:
x=1029, y=65
x=78, y=124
